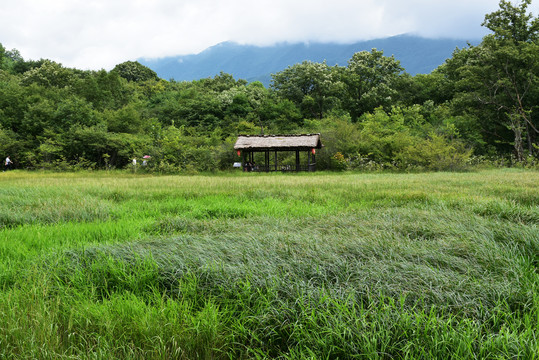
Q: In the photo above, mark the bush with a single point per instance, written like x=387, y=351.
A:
x=435, y=153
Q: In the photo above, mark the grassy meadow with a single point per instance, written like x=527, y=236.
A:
x=253, y=266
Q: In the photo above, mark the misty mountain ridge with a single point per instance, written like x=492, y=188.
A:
x=416, y=54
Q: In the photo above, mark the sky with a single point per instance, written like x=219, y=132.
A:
x=99, y=34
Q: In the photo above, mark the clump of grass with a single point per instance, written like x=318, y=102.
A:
x=49, y=206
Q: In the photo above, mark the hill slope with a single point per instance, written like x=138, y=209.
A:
x=417, y=55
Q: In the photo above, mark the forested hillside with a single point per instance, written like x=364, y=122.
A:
x=256, y=63
x=480, y=104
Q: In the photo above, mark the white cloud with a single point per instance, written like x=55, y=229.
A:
x=93, y=34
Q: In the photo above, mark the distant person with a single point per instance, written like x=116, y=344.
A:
x=8, y=164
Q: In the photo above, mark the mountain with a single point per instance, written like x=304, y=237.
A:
x=255, y=63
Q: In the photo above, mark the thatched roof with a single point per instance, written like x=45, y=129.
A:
x=278, y=142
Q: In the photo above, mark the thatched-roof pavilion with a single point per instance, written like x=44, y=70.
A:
x=250, y=144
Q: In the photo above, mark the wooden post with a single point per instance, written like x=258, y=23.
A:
x=275, y=160
x=266, y=161
x=297, y=160
x=308, y=161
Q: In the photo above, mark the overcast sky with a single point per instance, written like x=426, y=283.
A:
x=95, y=34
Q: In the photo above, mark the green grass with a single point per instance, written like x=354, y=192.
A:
x=290, y=266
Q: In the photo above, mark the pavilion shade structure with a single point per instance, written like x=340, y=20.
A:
x=278, y=142
x=270, y=145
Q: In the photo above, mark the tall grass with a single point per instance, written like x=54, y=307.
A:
x=323, y=265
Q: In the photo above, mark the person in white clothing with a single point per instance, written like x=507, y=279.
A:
x=7, y=164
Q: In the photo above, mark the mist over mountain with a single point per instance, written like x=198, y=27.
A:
x=256, y=63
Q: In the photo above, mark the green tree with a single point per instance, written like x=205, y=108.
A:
x=49, y=74
x=502, y=72
x=2, y=56
x=13, y=98
x=384, y=135
x=135, y=71
x=513, y=23
x=220, y=82
x=20, y=66
x=280, y=115
x=125, y=120
x=421, y=88
x=104, y=90
x=9, y=59
x=313, y=87
x=370, y=80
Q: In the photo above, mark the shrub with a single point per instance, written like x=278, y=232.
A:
x=435, y=153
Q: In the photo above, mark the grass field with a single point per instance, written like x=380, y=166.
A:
x=291, y=266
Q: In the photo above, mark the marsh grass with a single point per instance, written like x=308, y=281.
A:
x=270, y=266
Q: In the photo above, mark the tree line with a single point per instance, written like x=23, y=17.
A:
x=480, y=105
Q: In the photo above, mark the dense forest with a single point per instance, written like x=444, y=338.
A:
x=480, y=106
